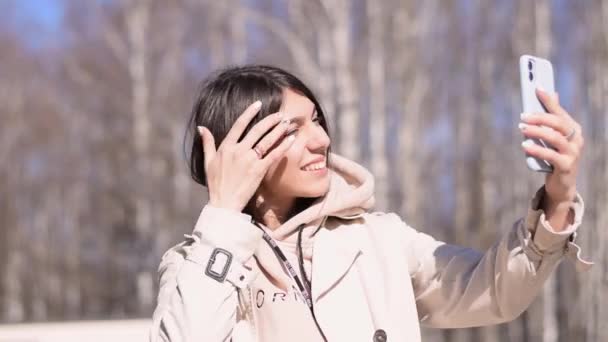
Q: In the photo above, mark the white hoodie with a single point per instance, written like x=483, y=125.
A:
x=373, y=276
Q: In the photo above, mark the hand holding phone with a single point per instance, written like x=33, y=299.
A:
x=558, y=135
x=536, y=73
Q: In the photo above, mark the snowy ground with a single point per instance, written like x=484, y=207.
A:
x=84, y=331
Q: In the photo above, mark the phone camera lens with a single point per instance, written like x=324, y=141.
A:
x=531, y=76
x=530, y=65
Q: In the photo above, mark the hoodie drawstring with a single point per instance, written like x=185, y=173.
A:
x=300, y=256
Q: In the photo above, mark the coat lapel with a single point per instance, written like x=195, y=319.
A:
x=334, y=252
x=373, y=280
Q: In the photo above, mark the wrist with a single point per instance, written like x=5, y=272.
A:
x=556, y=193
x=559, y=201
x=223, y=205
x=558, y=212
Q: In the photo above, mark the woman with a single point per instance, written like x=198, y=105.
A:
x=288, y=249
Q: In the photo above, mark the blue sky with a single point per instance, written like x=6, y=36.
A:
x=47, y=13
x=37, y=20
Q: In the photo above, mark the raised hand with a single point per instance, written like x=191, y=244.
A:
x=236, y=169
x=565, y=134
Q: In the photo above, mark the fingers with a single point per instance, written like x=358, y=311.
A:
x=260, y=129
x=548, y=135
x=551, y=103
x=276, y=153
x=563, y=162
x=273, y=137
x=241, y=123
x=562, y=125
x=208, y=144
x=552, y=121
x=552, y=129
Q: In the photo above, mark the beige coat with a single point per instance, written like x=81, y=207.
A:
x=372, y=275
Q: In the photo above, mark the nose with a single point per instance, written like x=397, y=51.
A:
x=318, y=141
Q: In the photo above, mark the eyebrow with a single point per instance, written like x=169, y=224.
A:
x=301, y=118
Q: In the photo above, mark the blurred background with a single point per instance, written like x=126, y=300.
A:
x=94, y=98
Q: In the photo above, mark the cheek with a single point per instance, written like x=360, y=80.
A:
x=287, y=166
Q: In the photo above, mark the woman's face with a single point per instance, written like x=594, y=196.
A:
x=302, y=171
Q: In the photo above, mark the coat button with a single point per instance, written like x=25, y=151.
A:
x=380, y=336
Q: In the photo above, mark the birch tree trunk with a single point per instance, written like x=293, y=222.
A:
x=171, y=94
x=326, y=81
x=217, y=48
x=238, y=34
x=377, y=103
x=411, y=24
x=12, y=297
x=137, y=18
x=137, y=25
x=464, y=140
x=339, y=12
x=485, y=60
x=542, y=44
x=486, y=166
x=602, y=222
x=302, y=18
x=303, y=59
x=523, y=39
x=594, y=288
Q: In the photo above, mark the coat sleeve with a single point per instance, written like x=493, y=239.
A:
x=192, y=306
x=458, y=287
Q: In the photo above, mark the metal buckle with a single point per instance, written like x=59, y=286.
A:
x=219, y=276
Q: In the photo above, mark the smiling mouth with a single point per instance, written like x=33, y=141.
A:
x=314, y=167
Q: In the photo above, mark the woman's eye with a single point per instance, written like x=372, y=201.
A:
x=290, y=132
x=316, y=120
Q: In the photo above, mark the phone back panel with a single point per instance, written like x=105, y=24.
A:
x=535, y=73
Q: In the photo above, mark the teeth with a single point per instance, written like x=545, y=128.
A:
x=316, y=166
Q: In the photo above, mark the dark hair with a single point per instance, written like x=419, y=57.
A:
x=223, y=97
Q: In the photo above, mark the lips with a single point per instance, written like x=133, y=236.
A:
x=315, y=164
x=316, y=160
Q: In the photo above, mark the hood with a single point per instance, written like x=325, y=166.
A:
x=351, y=193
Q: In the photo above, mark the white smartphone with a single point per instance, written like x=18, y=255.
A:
x=535, y=73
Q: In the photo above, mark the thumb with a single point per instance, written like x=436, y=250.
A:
x=208, y=144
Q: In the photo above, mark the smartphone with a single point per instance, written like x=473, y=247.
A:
x=535, y=73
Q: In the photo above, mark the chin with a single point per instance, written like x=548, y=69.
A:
x=315, y=190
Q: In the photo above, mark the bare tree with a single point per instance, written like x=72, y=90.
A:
x=542, y=18
x=338, y=12
x=411, y=27
x=376, y=69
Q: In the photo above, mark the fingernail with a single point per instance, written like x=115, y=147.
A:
x=527, y=143
x=541, y=89
x=257, y=104
x=286, y=122
x=200, y=130
x=291, y=138
x=524, y=115
x=522, y=126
